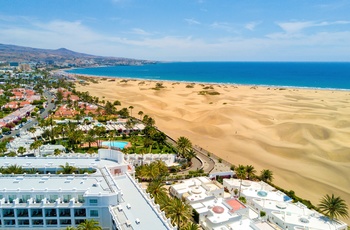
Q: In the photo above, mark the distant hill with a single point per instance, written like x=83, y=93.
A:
x=13, y=53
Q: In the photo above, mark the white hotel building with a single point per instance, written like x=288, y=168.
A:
x=54, y=201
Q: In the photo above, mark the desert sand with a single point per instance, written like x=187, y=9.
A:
x=302, y=135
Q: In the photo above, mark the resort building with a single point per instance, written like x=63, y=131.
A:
x=49, y=200
x=266, y=207
x=294, y=215
x=197, y=189
x=254, y=189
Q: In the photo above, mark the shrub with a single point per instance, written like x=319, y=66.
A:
x=242, y=199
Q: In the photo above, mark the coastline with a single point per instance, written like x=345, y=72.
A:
x=299, y=134
x=280, y=87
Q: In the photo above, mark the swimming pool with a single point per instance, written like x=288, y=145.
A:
x=262, y=193
x=116, y=144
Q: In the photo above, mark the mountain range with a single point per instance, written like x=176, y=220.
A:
x=14, y=53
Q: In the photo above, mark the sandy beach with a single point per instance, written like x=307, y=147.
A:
x=302, y=135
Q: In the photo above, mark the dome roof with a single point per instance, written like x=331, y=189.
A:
x=196, y=190
x=218, y=209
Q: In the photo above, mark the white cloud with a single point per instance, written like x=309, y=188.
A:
x=251, y=25
x=224, y=26
x=191, y=21
x=139, y=31
x=296, y=27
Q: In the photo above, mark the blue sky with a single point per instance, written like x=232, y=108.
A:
x=183, y=30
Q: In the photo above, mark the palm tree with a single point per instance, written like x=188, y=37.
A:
x=250, y=170
x=156, y=189
x=89, y=139
x=140, y=114
x=21, y=150
x=241, y=174
x=183, y=144
x=333, y=207
x=15, y=169
x=179, y=212
x=70, y=228
x=90, y=224
x=57, y=152
x=131, y=107
x=266, y=175
x=36, y=145
x=68, y=169
x=191, y=226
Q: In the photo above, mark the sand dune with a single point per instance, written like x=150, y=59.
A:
x=302, y=135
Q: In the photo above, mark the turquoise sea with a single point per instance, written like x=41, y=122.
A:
x=329, y=75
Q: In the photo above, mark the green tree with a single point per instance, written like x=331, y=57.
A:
x=12, y=154
x=70, y=228
x=89, y=139
x=333, y=207
x=131, y=108
x=250, y=170
x=15, y=169
x=21, y=150
x=191, y=226
x=140, y=113
x=266, y=175
x=57, y=152
x=241, y=174
x=36, y=145
x=154, y=171
x=117, y=102
x=179, y=212
x=109, y=108
x=89, y=224
x=183, y=144
x=156, y=189
x=59, y=96
x=67, y=169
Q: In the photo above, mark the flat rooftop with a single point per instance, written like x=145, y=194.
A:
x=136, y=206
x=77, y=160
x=93, y=184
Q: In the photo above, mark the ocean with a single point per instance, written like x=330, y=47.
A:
x=327, y=75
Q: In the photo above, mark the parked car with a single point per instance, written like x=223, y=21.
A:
x=7, y=133
x=1, y=136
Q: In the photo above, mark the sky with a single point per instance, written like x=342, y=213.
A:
x=183, y=30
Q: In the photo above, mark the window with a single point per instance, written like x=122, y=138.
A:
x=51, y=222
x=93, y=213
x=37, y=213
x=79, y=212
x=11, y=198
x=23, y=222
x=65, y=222
x=50, y=212
x=93, y=202
x=65, y=212
x=22, y=212
x=38, y=222
x=81, y=199
x=66, y=198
